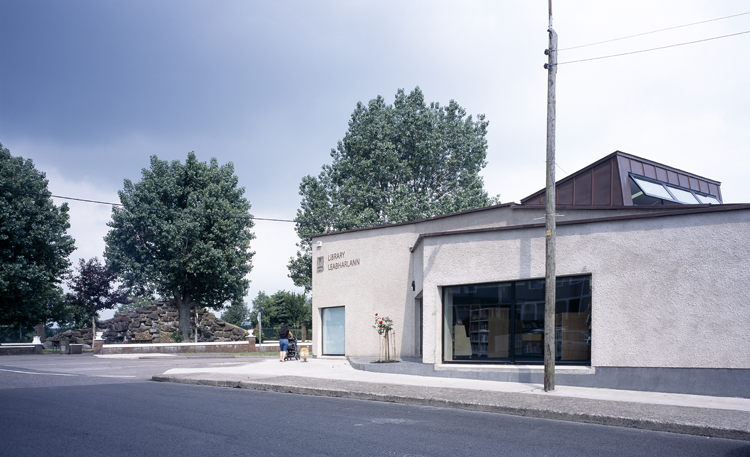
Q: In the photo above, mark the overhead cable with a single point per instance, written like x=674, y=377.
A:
x=654, y=49
x=229, y=216
x=653, y=31
x=197, y=213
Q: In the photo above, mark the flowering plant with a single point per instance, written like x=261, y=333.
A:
x=383, y=325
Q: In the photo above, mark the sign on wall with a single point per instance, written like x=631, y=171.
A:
x=336, y=261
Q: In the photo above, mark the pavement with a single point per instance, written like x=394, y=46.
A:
x=720, y=417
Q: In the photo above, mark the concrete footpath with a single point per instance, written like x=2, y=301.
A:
x=720, y=417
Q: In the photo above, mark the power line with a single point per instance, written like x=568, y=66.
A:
x=653, y=49
x=558, y=166
x=653, y=31
x=229, y=216
x=197, y=213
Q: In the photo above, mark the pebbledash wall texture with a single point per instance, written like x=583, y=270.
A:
x=670, y=286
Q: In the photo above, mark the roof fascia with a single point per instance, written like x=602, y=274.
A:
x=695, y=209
x=433, y=218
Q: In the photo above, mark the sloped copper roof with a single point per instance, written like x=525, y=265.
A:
x=606, y=182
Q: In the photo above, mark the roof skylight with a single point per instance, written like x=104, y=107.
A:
x=653, y=189
x=662, y=193
x=683, y=195
x=708, y=199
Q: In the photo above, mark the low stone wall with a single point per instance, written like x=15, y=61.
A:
x=19, y=350
x=226, y=347
x=177, y=348
x=80, y=336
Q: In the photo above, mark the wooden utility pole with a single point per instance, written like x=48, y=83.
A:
x=196, y=325
x=550, y=283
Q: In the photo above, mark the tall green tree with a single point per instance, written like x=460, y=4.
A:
x=236, y=313
x=60, y=312
x=297, y=308
x=283, y=307
x=263, y=304
x=396, y=163
x=184, y=232
x=34, y=245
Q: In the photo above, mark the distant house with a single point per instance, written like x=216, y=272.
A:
x=653, y=284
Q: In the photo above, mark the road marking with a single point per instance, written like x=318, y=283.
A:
x=36, y=372
x=65, y=374
x=110, y=376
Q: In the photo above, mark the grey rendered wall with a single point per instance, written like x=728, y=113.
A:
x=378, y=284
x=381, y=282
x=667, y=292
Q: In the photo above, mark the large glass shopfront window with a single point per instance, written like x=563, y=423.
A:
x=504, y=322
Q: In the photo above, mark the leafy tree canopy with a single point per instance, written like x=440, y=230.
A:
x=265, y=306
x=134, y=301
x=281, y=308
x=183, y=232
x=34, y=246
x=396, y=163
x=236, y=313
x=94, y=288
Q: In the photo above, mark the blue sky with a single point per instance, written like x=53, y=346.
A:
x=89, y=90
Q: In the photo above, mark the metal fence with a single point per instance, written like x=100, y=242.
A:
x=272, y=333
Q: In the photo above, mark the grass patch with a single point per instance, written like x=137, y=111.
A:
x=57, y=351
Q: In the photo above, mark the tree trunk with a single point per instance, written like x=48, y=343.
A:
x=183, y=309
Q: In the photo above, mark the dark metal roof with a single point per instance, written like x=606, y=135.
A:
x=606, y=182
x=603, y=185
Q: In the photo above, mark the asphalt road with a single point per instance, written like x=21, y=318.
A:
x=68, y=405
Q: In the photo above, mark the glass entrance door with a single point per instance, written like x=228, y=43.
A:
x=334, y=331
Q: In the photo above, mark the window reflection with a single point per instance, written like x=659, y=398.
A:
x=504, y=322
x=334, y=330
x=644, y=193
x=478, y=319
x=529, y=320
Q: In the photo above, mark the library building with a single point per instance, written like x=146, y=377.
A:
x=652, y=287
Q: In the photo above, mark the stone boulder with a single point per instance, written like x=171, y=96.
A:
x=155, y=323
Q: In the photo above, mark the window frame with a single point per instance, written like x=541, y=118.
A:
x=512, y=359
x=698, y=196
x=323, y=334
